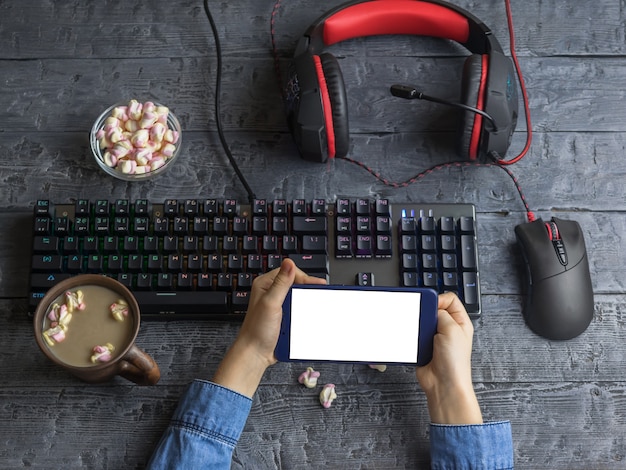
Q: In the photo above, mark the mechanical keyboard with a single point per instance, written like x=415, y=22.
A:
x=197, y=258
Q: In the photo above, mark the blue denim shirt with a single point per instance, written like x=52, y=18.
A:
x=209, y=419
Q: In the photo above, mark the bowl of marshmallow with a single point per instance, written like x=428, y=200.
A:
x=136, y=140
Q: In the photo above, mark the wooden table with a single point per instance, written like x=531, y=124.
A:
x=62, y=63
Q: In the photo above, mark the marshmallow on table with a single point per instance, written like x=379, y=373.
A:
x=327, y=395
x=309, y=377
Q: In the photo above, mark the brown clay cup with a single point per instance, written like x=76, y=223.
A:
x=130, y=362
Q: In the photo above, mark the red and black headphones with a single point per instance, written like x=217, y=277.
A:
x=315, y=95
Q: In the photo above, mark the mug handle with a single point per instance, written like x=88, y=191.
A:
x=137, y=366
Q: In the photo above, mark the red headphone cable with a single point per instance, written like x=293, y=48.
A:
x=520, y=79
x=529, y=214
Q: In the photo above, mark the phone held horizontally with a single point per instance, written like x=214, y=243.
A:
x=356, y=324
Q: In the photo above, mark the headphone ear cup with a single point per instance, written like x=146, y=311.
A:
x=338, y=103
x=472, y=84
x=305, y=113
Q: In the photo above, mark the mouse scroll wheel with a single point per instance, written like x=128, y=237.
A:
x=553, y=231
x=555, y=238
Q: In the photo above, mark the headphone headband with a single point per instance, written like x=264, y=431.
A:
x=407, y=17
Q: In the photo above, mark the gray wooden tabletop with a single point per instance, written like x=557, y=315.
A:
x=62, y=63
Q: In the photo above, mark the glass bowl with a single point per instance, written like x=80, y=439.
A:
x=130, y=167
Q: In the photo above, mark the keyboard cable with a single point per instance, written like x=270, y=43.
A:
x=218, y=92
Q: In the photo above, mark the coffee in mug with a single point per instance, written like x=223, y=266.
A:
x=87, y=324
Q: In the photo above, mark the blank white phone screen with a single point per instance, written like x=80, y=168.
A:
x=354, y=325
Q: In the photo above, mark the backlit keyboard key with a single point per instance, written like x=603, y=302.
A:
x=45, y=244
x=468, y=252
x=310, y=224
x=47, y=263
x=312, y=262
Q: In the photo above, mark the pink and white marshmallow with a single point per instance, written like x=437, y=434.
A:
x=54, y=335
x=59, y=315
x=135, y=109
x=74, y=301
x=119, y=310
x=140, y=138
x=102, y=353
x=328, y=395
x=309, y=377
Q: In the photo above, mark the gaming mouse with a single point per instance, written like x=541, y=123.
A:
x=559, y=296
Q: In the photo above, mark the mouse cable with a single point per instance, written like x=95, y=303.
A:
x=218, y=92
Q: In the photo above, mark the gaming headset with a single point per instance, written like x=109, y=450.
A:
x=315, y=95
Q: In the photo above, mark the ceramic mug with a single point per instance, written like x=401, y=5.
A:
x=93, y=365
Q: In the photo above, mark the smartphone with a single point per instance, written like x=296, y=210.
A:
x=372, y=325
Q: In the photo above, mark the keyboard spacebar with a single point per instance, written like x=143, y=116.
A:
x=173, y=303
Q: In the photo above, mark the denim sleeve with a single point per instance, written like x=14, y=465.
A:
x=204, y=429
x=484, y=446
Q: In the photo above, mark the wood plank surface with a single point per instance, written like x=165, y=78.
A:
x=62, y=63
